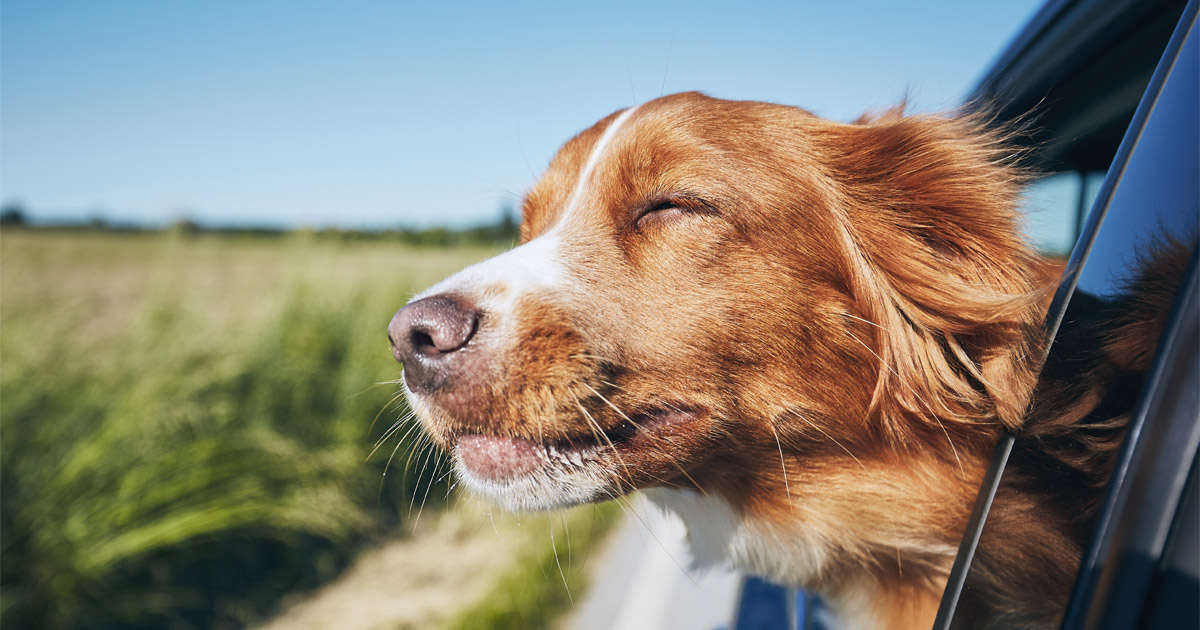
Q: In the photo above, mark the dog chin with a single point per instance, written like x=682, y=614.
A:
x=538, y=491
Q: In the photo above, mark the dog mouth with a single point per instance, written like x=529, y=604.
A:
x=504, y=458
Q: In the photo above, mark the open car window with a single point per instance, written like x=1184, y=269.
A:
x=1126, y=343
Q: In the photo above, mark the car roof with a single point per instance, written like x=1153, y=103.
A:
x=1079, y=68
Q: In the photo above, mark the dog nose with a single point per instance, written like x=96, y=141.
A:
x=426, y=336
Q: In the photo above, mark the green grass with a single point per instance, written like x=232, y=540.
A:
x=184, y=421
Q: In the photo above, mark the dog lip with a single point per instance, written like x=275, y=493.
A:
x=498, y=457
x=501, y=458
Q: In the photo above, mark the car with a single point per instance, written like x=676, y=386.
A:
x=1112, y=88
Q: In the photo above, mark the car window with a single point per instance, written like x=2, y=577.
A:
x=1055, y=206
x=1115, y=309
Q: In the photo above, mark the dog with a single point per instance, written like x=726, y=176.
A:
x=803, y=337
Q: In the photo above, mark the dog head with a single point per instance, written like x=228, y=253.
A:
x=706, y=289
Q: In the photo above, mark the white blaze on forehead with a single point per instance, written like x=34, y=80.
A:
x=593, y=159
x=496, y=283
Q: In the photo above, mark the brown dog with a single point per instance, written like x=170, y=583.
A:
x=802, y=336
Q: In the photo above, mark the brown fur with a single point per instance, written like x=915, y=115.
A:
x=848, y=313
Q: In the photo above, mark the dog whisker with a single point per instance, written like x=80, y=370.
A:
x=396, y=426
x=421, y=443
x=613, y=447
x=567, y=534
x=782, y=464
x=493, y=522
x=635, y=424
x=684, y=472
x=817, y=426
x=383, y=476
x=608, y=402
x=392, y=431
x=429, y=452
x=554, y=547
x=383, y=410
x=429, y=486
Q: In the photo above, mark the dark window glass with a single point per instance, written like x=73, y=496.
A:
x=1106, y=343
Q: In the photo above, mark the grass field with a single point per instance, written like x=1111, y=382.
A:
x=184, y=422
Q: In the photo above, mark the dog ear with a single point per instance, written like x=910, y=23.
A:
x=927, y=208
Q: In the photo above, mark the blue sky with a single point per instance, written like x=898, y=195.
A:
x=395, y=113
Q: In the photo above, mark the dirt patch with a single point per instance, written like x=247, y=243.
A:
x=424, y=581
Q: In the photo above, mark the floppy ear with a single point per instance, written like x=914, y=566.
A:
x=927, y=208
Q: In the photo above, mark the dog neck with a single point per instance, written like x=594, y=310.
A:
x=796, y=554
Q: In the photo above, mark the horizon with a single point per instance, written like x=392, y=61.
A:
x=375, y=115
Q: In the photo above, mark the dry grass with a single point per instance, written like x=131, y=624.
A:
x=468, y=567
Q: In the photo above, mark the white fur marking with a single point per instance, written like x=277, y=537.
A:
x=534, y=265
x=593, y=159
x=496, y=283
x=785, y=553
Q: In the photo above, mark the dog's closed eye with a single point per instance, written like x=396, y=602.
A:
x=664, y=210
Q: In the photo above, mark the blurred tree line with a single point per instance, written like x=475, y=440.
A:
x=503, y=232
